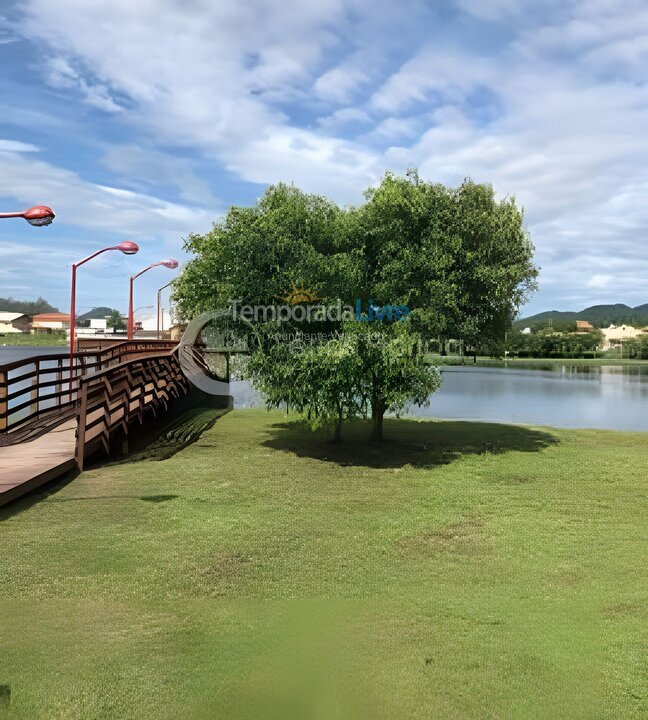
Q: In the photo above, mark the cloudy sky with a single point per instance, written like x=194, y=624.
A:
x=146, y=119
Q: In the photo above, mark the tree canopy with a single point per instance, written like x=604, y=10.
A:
x=28, y=307
x=459, y=260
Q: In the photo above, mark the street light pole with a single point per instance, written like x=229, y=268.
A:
x=160, y=318
x=38, y=215
x=171, y=264
x=128, y=248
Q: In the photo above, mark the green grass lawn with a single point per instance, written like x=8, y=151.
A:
x=461, y=570
x=38, y=339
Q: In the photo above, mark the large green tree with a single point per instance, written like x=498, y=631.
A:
x=459, y=259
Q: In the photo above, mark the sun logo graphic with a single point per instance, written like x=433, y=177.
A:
x=298, y=295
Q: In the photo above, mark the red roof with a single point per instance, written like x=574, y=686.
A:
x=51, y=317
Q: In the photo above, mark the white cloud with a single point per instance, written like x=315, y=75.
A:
x=600, y=281
x=317, y=164
x=393, y=128
x=95, y=207
x=146, y=167
x=442, y=70
x=491, y=9
x=16, y=146
x=343, y=117
x=60, y=74
x=552, y=106
x=340, y=83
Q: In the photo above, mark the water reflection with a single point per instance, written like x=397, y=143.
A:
x=597, y=396
x=567, y=395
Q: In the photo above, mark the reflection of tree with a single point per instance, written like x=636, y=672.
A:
x=217, y=364
x=225, y=334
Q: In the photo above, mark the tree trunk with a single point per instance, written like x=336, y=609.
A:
x=377, y=414
x=338, y=427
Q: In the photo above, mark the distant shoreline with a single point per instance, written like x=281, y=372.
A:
x=494, y=362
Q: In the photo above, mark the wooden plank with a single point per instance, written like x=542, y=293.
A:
x=29, y=465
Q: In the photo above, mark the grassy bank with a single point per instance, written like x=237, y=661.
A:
x=462, y=570
x=27, y=339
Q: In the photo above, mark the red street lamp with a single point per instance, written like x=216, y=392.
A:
x=38, y=215
x=128, y=248
x=171, y=264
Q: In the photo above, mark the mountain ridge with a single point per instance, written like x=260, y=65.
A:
x=598, y=315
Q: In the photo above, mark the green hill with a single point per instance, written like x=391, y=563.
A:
x=598, y=315
x=98, y=313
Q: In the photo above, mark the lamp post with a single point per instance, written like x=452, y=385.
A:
x=38, y=215
x=128, y=248
x=171, y=264
x=160, y=317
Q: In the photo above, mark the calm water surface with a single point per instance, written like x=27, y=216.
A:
x=611, y=397
x=10, y=354
x=592, y=396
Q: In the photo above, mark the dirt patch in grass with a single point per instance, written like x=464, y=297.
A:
x=626, y=608
x=219, y=573
x=465, y=537
x=568, y=578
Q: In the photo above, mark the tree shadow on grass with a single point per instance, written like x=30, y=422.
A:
x=407, y=442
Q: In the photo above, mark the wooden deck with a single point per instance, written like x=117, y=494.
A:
x=27, y=465
x=124, y=384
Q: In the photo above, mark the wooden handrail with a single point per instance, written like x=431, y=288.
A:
x=114, y=398
x=26, y=396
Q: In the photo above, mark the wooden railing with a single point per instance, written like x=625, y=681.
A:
x=42, y=388
x=114, y=398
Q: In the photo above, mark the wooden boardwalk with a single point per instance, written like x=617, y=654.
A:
x=28, y=465
x=49, y=424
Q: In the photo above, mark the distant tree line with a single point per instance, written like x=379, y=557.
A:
x=548, y=343
x=636, y=348
x=27, y=307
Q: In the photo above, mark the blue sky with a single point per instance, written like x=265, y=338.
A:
x=145, y=120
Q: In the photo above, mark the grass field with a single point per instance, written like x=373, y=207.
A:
x=28, y=340
x=461, y=570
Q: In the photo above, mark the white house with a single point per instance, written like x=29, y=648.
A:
x=13, y=322
x=149, y=320
x=615, y=334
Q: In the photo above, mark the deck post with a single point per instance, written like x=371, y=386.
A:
x=81, y=424
x=58, y=388
x=3, y=400
x=33, y=397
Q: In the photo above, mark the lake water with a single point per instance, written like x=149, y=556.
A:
x=611, y=397
x=10, y=354
x=594, y=396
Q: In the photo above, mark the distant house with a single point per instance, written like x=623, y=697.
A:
x=50, y=322
x=614, y=335
x=584, y=326
x=149, y=321
x=99, y=324
x=526, y=331
x=14, y=322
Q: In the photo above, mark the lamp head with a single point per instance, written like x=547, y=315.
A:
x=128, y=247
x=171, y=263
x=39, y=215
